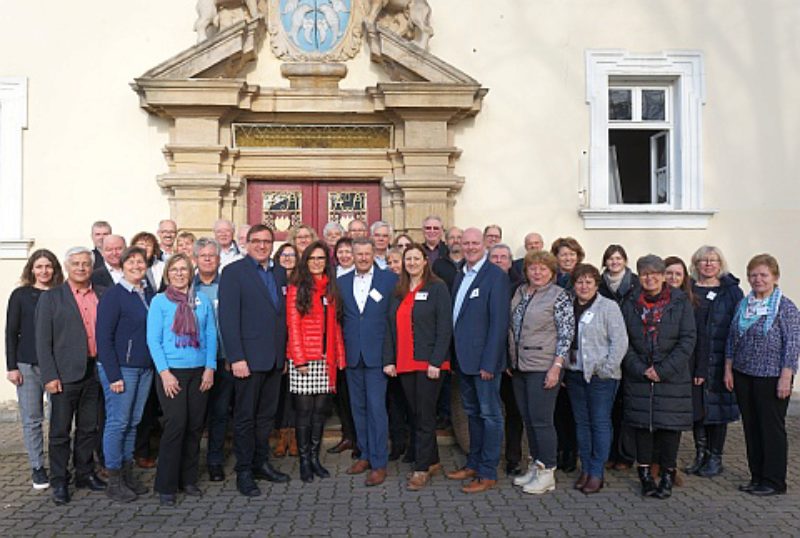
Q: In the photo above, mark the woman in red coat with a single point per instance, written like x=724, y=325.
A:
x=315, y=351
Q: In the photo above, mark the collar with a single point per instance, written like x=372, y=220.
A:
x=77, y=291
x=475, y=268
x=111, y=269
x=270, y=263
x=199, y=282
x=369, y=273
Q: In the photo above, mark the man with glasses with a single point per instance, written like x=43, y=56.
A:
x=435, y=248
x=381, y=232
x=167, y=233
x=252, y=315
x=356, y=229
x=228, y=249
x=492, y=235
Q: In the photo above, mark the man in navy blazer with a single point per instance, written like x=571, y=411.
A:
x=365, y=304
x=252, y=320
x=480, y=321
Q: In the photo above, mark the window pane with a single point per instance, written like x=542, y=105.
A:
x=653, y=105
x=619, y=104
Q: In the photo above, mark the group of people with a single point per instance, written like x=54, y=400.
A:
x=601, y=364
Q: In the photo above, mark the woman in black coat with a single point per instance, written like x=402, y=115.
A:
x=416, y=349
x=717, y=294
x=657, y=377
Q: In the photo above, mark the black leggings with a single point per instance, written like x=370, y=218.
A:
x=663, y=442
x=310, y=407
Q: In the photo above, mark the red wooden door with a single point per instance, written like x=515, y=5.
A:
x=282, y=205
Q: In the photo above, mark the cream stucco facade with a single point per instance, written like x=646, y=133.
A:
x=520, y=156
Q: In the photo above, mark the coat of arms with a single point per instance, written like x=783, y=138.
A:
x=316, y=30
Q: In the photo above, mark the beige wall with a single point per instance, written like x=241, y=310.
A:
x=91, y=152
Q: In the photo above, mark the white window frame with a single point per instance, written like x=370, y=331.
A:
x=683, y=70
x=13, y=119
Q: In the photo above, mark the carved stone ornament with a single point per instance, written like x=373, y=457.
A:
x=316, y=30
x=215, y=15
x=410, y=19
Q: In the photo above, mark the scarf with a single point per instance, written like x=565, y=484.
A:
x=185, y=324
x=652, y=310
x=751, y=310
x=613, y=282
x=579, y=309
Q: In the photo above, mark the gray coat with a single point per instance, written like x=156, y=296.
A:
x=602, y=340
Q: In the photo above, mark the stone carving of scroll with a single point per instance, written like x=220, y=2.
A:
x=410, y=19
x=212, y=15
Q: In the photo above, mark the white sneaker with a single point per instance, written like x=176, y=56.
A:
x=545, y=481
x=529, y=475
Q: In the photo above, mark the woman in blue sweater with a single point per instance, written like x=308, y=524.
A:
x=182, y=337
x=125, y=369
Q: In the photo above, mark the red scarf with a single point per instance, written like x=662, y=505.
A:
x=652, y=310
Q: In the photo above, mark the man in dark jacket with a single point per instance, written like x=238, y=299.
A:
x=109, y=273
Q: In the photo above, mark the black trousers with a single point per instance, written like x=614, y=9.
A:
x=184, y=418
x=663, y=442
x=284, y=415
x=401, y=420
x=422, y=393
x=513, y=421
x=341, y=401
x=764, y=423
x=621, y=449
x=81, y=401
x=256, y=402
x=564, y=421
x=149, y=423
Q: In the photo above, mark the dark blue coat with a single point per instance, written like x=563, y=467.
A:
x=481, y=325
x=253, y=328
x=121, y=331
x=713, y=402
x=364, y=333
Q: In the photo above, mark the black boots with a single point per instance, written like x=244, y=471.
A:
x=713, y=465
x=303, y=434
x=317, y=429
x=648, y=484
x=701, y=448
x=117, y=490
x=130, y=480
x=716, y=440
x=664, y=490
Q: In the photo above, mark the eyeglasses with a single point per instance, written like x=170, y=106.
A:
x=650, y=275
x=432, y=228
x=288, y=255
x=261, y=242
x=178, y=270
x=710, y=261
x=317, y=258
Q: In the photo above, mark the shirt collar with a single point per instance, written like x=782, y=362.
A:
x=199, y=282
x=270, y=263
x=369, y=273
x=111, y=269
x=77, y=291
x=476, y=267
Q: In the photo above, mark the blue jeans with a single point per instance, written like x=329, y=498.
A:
x=123, y=413
x=220, y=400
x=591, y=406
x=481, y=401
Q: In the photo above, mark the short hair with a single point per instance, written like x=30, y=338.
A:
x=302, y=226
x=162, y=221
x=175, y=258
x=361, y=241
x=570, y=243
x=394, y=251
x=113, y=236
x=541, y=257
x=380, y=224
x=258, y=228
x=490, y=226
x=400, y=236
x=767, y=260
x=204, y=242
x=186, y=235
x=101, y=224
x=223, y=222
x=650, y=263
x=355, y=221
x=701, y=253
x=341, y=242
x=27, y=278
x=499, y=246
x=450, y=231
x=132, y=251
x=74, y=251
x=330, y=226
x=586, y=269
x=433, y=217
x=147, y=236
x=614, y=249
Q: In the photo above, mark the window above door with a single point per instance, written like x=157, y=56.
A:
x=645, y=168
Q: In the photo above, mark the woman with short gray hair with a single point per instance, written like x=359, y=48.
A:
x=657, y=378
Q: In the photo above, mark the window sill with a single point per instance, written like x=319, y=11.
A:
x=15, y=249
x=655, y=219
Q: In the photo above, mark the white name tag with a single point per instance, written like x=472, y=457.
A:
x=216, y=304
x=711, y=295
x=376, y=295
x=421, y=296
x=587, y=317
x=475, y=293
x=324, y=301
x=762, y=311
x=197, y=301
x=283, y=290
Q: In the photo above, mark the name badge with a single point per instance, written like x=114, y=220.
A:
x=283, y=290
x=475, y=293
x=421, y=296
x=376, y=295
x=711, y=295
x=587, y=317
x=216, y=304
x=762, y=311
x=324, y=301
x=197, y=301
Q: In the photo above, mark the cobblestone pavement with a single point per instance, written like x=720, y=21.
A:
x=343, y=506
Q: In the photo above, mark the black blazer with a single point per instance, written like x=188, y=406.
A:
x=61, y=342
x=98, y=259
x=253, y=329
x=101, y=280
x=431, y=322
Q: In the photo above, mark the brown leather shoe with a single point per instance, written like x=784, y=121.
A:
x=593, y=485
x=360, y=466
x=462, y=474
x=418, y=480
x=282, y=444
x=581, y=481
x=433, y=470
x=479, y=485
x=146, y=463
x=292, y=448
x=344, y=444
x=375, y=477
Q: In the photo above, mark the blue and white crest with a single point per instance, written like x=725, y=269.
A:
x=315, y=26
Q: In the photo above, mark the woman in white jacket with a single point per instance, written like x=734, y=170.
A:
x=593, y=373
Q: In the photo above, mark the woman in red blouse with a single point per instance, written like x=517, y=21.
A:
x=416, y=350
x=315, y=350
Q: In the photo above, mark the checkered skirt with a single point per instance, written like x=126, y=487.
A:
x=314, y=382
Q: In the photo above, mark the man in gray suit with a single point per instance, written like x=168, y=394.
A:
x=67, y=351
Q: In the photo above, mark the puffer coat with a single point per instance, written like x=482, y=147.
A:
x=667, y=404
x=714, y=404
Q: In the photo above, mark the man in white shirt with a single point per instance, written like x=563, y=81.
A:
x=381, y=232
x=167, y=232
x=229, y=250
x=110, y=273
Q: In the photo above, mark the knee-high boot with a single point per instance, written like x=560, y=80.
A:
x=317, y=429
x=303, y=434
x=701, y=448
